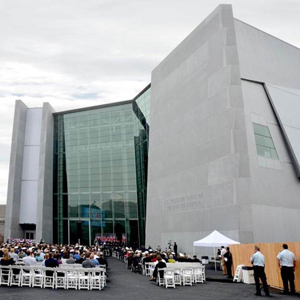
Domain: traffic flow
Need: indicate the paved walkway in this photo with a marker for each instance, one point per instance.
(123, 284)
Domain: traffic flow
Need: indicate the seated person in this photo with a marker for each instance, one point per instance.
(29, 260)
(102, 261)
(6, 260)
(51, 263)
(136, 261)
(81, 259)
(94, 260)
(71, 260)
(88, 263)
(171, 259)
(195, 259)
(159, 265)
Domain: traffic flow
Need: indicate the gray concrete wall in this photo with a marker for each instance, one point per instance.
(265, 58)
(44, 226)
(2, 222)
(275, 188)
(12, 227)
(2, 211)
(198, 162)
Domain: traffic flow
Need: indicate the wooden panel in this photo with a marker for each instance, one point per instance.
(241, 256)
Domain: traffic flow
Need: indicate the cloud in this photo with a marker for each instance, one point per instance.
(75, 53)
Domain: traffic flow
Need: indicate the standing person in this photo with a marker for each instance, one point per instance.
(175, 249)
(224, 270)
(287, 263)
(258, 261)
(228, 262)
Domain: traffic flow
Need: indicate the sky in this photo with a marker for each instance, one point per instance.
(75, 53)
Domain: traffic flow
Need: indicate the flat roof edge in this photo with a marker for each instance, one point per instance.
(92, 107)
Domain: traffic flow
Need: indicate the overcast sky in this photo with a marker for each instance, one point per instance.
(75, 53)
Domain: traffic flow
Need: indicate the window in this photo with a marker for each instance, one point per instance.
(264, 143)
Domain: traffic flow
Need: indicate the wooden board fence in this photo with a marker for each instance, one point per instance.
(241, 256)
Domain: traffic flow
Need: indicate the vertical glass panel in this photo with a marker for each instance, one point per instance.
(74, 234)
(262, 130)
(264, 143)
(107, 208)
(85, 238)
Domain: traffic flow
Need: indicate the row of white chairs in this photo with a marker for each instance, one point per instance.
(78, 266)
(184, 273)
(185, 276)
(43, 277)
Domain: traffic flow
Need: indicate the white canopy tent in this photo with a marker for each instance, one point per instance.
(215, 239)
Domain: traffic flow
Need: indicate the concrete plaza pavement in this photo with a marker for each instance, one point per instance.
(123, 284)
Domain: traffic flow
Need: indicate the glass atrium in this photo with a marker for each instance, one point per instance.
(100, 172)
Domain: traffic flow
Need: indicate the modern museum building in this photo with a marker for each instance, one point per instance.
(212, 143)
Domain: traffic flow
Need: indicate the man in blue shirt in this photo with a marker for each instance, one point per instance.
(258, 261)
(94, 260)
(76, 256)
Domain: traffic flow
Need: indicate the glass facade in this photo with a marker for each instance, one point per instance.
(100, 172)
(264, 143)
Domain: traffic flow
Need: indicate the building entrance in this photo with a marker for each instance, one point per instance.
(80, 232)
(29, 235)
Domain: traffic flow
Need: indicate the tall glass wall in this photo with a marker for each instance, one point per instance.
(100, 160)
(141, 108)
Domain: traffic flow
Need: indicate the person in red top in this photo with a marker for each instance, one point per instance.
(154, 258)
(159, 265)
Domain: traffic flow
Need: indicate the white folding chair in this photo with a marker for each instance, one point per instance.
(187, 276)
(203, 273)
(72, 278)
(95, 278)
(197, 275)
(83, 279)
(160, 277)
(169, 278)
(102, 267)
(49, 279)
(38, 276)
(5, 273)
(103, 277)
(60, 278)
(15, 275)
(147, 269)
(177, 276)
(26, 276)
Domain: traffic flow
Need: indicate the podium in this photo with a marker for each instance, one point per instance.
(238, 275)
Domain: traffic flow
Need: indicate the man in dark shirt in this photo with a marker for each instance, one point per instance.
(175, 247)
(51, 263)
(195, 259)
(228, 262)
(102, 260)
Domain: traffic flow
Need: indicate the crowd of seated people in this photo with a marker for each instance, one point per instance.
(141, 256)
(53, 255)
